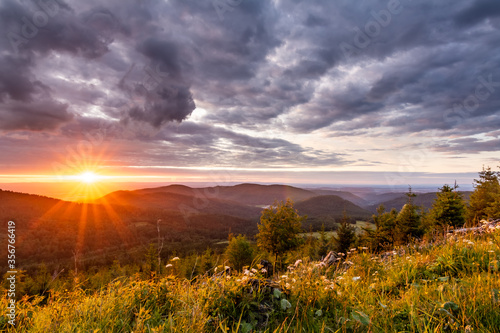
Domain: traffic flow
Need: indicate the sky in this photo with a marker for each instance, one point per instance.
(341, 92)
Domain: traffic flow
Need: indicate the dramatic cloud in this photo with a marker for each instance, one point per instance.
(258, 84)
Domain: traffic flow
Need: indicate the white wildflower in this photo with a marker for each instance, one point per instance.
(168, 265)
(298, 262)
(175, 259)
(356, 278)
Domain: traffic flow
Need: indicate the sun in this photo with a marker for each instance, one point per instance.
(88, 177)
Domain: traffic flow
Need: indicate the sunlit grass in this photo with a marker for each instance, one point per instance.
(452, 286)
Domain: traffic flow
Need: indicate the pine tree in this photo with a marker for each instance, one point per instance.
(485, 200)
(408, 221)
(448, 208)
(384, 234)
(346, 235)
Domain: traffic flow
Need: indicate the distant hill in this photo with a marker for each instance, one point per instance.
(377, 199)
(189, 201)
(343, 194)
(246, 194)
(260, 195)
(115, 227)
(398, 200)
(327, 209)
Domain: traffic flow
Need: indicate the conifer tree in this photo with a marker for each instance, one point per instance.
(485, 200)
(346, 235)
(384, 234)
(448, 208)
(408, 221)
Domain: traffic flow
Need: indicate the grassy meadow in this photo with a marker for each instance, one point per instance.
(452, 285)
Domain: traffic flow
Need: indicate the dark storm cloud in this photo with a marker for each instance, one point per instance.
(36, 116)
(48, 25)
(477, 12)
(409, 67)
(25, 102)
(16, 81)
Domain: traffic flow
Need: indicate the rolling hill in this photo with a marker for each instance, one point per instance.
(190, 202)
(330, 206)
(123, 223)
(398, 200)
(343, 194)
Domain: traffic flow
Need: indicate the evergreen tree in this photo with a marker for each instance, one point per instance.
(408, 221)
(448, 208)
(346, 235)
(279, 227)
(239, 252)
(384, 234)
(485, 200)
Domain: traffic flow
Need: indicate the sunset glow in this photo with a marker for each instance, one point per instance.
(88, 177)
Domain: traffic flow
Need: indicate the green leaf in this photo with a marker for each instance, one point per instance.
(450, 305)
(285, 304)
(276, 292)
(246, 327)
(318, 313)
(360, 317)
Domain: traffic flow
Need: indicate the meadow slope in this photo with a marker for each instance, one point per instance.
(452, 285)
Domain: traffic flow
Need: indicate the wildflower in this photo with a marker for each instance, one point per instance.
(356, 278)
(254, 270)
(263, 270)
(363, 248)
(168, 265)
(353, 250)
(287, 285)
(284, 277)
(298, 262)
(175, 259)
(348, 262)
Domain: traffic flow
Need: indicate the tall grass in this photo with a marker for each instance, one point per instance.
(451, 286)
